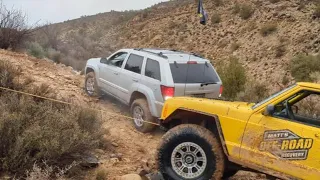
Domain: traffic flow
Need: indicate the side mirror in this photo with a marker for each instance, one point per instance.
(269, 110)
(104, 60)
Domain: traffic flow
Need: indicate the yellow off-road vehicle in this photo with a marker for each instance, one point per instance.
(212, 139)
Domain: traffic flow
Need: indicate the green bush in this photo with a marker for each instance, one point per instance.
(302, 66)
(215, 18)
(246, 11)
(33, 130)
(54, 55)
(254, 92)
(268, 29)
(233, 77)
(36, 50)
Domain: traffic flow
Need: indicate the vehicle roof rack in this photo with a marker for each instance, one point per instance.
(158, 54)
(192, 53)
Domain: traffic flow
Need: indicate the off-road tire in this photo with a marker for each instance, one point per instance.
(147, 116)
(195, 134)
(97, 92)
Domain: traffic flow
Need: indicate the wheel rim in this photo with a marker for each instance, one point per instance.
(138, 116)
(90, 85)
(188, 160)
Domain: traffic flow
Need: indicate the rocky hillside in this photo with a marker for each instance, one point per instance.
(264, 34)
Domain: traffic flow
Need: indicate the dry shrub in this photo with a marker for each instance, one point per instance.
(215, 18)
(13, 27)
(234, 46)
(46, 172)
(246, 11)
(236, 8)
(36, 50)
(315, 77)
(34, 130)
(253, 92)
(268, 29)
(102, 174)
(316, 12)
(285, 80)
(54, 55)
(274, 1)
(302, 66)
(218, 2)
(8, 73)
(280, 50)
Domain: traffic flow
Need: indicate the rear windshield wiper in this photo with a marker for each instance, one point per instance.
(207, 83)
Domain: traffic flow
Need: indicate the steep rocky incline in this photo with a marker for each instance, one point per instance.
(265, 41)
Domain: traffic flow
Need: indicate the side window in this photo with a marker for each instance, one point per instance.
(118, 59)
(302, 107)
(134, 63)
(153, 69)
(309, 107)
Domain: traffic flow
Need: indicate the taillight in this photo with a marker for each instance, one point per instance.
(167, 92)
(220, 91)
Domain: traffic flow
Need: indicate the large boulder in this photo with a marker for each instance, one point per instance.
(131, 177)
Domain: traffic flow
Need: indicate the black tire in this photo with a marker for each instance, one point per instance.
(199, 136)
(96, 92)
(147, 116)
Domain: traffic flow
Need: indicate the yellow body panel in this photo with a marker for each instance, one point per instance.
(273, 144)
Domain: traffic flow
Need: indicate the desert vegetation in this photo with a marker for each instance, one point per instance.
(14, 30)
(305, 67)
(36, 133)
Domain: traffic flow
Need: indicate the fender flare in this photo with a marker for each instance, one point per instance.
(150, 100)
(218, 126)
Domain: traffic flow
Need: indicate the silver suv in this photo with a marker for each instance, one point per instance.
(145, 78)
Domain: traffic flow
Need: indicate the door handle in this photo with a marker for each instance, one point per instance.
(317, 135)
(135, 80)
(116, 73)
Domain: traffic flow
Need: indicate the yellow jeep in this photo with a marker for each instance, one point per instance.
(212, 139)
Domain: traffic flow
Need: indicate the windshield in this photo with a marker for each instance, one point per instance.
(273, 96)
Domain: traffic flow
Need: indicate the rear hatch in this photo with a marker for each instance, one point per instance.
(196, 79)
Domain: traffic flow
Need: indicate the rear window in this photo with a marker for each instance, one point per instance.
(193, 73)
